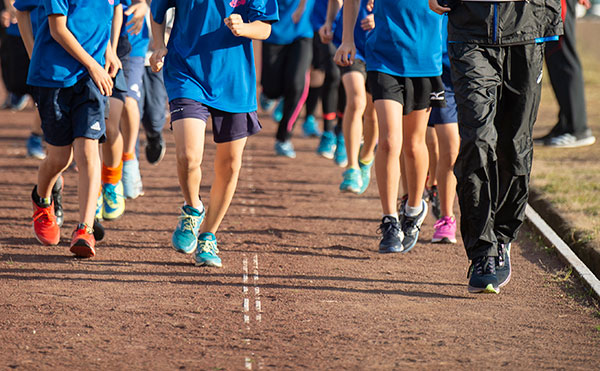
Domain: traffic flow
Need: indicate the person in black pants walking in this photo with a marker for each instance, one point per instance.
(566, 77)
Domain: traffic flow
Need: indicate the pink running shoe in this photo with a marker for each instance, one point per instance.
(445, 230)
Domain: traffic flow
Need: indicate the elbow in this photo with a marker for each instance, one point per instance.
(267, 32)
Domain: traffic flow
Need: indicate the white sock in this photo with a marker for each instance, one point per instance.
(413, 211)
(395, 216)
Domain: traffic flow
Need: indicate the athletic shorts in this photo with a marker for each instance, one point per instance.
(413, 93)
(119, 86)
(134, 70)
(153, 104)
(322, 53)
(227, 126)
(444, 115)
(358, 66)
(73, 112)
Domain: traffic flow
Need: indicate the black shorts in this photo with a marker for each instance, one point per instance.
(322, 54)
(358, 66)
(413, 93)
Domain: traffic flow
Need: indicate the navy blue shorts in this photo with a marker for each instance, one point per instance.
(134, 70)
(227, 126)
(120, 85)
(73, 112)
(444, 115)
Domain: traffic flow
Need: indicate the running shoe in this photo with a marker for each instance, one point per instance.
(444, 230)
(265, 103)
(113, 201)
(132, 180)
(98, 230)
(365, 174)
(185, 236)
(83, 243)
(340, 157)
(206, 254)
(568, 140)
(155, 149)
(503, 268)
(310, 127)
(391, 235)
(411, 226)
(99, 204)
(352, 181)
(278, 111)
(57, 192)
(327, 145)
(402, 205)
(35, 148)
(19, 102)
(482, 276)
(434, 199)
(45, 228)
(285, 149)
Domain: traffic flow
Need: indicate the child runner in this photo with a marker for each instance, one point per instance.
(209, 71)
(496, 52)
(286, 57)
(71, 67)
(359, 104)
(403, 55)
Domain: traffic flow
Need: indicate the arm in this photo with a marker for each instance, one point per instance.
(160, 50)
(297, 15)
(59, 31)
(345, 54)
(326, 30)
(257, 30)
(138, 8)
(368, 22)
(433, 5)
(26, 30)
(117, 23)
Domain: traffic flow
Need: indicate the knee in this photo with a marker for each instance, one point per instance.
(389, 145)
(188, 160)
(228, 167)
(57, 164)
(355, 105)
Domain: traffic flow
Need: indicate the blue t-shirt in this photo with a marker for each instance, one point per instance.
(90, 22)
(206, 62)
(318, 15)
(286, 31)
(360, 35)
(35, 9)
(406, 40)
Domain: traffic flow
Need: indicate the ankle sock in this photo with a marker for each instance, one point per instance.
(413, 211)
(112, 175)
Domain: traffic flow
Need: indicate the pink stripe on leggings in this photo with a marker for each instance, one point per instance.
(296, 113)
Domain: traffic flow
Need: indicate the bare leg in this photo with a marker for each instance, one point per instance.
(356, 102)
(370, 132)
(130, 124)
(189, 148)
(415, 154)
(87, 157)
(431, 140)
(51, 167)
(449, 142)
(112, 148)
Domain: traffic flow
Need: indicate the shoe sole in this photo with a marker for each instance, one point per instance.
(326, 155)
(184, 251)
(489, 289)
(577, 144)
(350, 190)
(443, 240)
(82, 250)
(208, 264)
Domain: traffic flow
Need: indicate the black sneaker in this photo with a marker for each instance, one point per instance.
(402, 204)
(434, 199)
(391, 235)
(411, 225)
(57, 197)
(503, 268)
(482, 276)
(98, 230)
(155, 149)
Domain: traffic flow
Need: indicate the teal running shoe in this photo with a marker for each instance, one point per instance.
(352, 181)
(365, 173)
(340, 157)
(327, 145)
(265, 103)
(310, 127)
(278, 111)
(113, 201)
(285, 149)
(99, 204)
(206, 254)
(185, 236)
(35, 148)
(132, 180)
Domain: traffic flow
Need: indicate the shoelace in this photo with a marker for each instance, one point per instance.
(208, 246)
(409, 222)
(112, 195)
(482, 265)
(189, 222)
(501, 255)
(389, 227)
(443, 223)
(44, 216)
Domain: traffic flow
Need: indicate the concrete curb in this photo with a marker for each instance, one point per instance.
(588, 251)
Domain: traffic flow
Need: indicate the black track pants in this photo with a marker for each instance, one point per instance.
(497, 93)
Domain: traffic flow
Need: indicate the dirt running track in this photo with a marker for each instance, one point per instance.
(302, 287)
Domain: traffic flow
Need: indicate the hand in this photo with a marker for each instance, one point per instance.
(157, 59)
(433, 5)
(297, 14)
(113, 63)
(5, 19)
(586, 3)
(136, 22)
(368, 23)
(101, 78)
(345, 54)
(326, 33)
(370, 5)
(236, 24)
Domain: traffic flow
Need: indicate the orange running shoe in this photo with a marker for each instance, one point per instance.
(83, 241)
(45, 228)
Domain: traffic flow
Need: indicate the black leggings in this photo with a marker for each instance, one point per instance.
(285, 74)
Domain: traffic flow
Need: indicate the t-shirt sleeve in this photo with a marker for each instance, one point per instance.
(25, 5)
(263, 10)
(159, 9)
(56, 7)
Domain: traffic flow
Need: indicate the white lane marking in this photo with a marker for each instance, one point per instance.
(257, 303)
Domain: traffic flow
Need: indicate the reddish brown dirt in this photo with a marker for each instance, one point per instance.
(328, 300)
